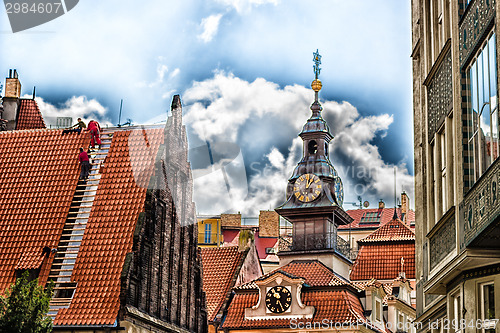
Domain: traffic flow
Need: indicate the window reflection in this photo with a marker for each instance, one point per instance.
(483, 115)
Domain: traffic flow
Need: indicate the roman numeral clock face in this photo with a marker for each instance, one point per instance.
(278, 299)
(307, 187)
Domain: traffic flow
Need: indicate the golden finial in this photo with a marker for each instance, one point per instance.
(316, 85)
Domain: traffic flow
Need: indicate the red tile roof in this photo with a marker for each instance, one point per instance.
(39, 173)
(38, 176)
(29, 115)
(333, 305)
(395, 230)
(386, 216)
(221, 267)
(314, 273)
(382, 260)
(362, 285)
(109, 233)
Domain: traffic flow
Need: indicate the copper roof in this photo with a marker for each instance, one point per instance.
(221, 266)
(29, 115)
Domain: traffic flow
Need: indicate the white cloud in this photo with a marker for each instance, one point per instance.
(245, 5)
(210, 26)
(75, 107)
(175, 72)
(223, 108)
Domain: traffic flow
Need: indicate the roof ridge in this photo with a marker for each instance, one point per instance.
(234, 277)
(378, 235)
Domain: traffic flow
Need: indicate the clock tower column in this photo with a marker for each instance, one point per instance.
(315, 195)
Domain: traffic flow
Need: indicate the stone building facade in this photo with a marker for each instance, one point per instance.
(164, 275)
(456, 132)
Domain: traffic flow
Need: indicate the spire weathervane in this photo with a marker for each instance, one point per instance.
(316, 84)
(317, 62)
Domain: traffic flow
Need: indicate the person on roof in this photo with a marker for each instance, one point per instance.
(78, 127)
(83, 157)
(3, 124)
(95, 133)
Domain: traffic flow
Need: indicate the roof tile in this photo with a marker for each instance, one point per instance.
(395, 230)
(333, 305)
(385, 216)
(220, 270)
(29, 115)
(33, 207)
(382, 261)
(313, 272)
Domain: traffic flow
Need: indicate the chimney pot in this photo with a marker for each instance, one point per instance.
(11, 101)
(381, 204)
(405, 205)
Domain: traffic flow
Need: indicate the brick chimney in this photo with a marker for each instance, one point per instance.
(11, 99)
(405, 206)
(269, 224)
(230, 220)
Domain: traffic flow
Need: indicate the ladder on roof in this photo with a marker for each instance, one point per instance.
(74, 228)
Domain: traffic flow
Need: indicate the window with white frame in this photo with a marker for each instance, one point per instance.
(442, 167)
(401, 322)
(487, 306)
(483, 109)
(456, 323)
(378, 310)
(440, 189)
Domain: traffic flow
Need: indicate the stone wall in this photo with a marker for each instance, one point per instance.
(269, 223)
(230, 220)
(161, 278)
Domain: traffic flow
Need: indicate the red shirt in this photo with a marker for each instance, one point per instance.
(83, 156)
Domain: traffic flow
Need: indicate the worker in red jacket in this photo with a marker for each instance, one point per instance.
(83, 157)
(95, 133)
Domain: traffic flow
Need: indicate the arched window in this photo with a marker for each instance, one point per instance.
(312, 147)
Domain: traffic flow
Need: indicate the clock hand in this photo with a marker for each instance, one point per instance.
(281, 306)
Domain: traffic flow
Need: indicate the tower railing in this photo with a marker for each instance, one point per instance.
(317, 241)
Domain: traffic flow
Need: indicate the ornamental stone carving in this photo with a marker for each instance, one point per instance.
(440, 95)
(473, 26)
(480, 207)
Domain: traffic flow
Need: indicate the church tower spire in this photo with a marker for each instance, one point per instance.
(314, 194)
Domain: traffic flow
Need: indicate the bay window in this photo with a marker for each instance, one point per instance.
(483, 109)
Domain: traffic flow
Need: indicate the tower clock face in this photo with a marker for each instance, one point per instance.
(307, 187)
(339, 190)
(278, 299)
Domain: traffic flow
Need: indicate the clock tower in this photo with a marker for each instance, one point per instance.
(315, 195)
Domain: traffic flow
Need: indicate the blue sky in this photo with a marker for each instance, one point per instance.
(243, 69)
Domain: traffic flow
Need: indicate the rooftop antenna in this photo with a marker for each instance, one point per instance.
(395, 202)
(129, 121)
(34, 88)
(120, 114)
